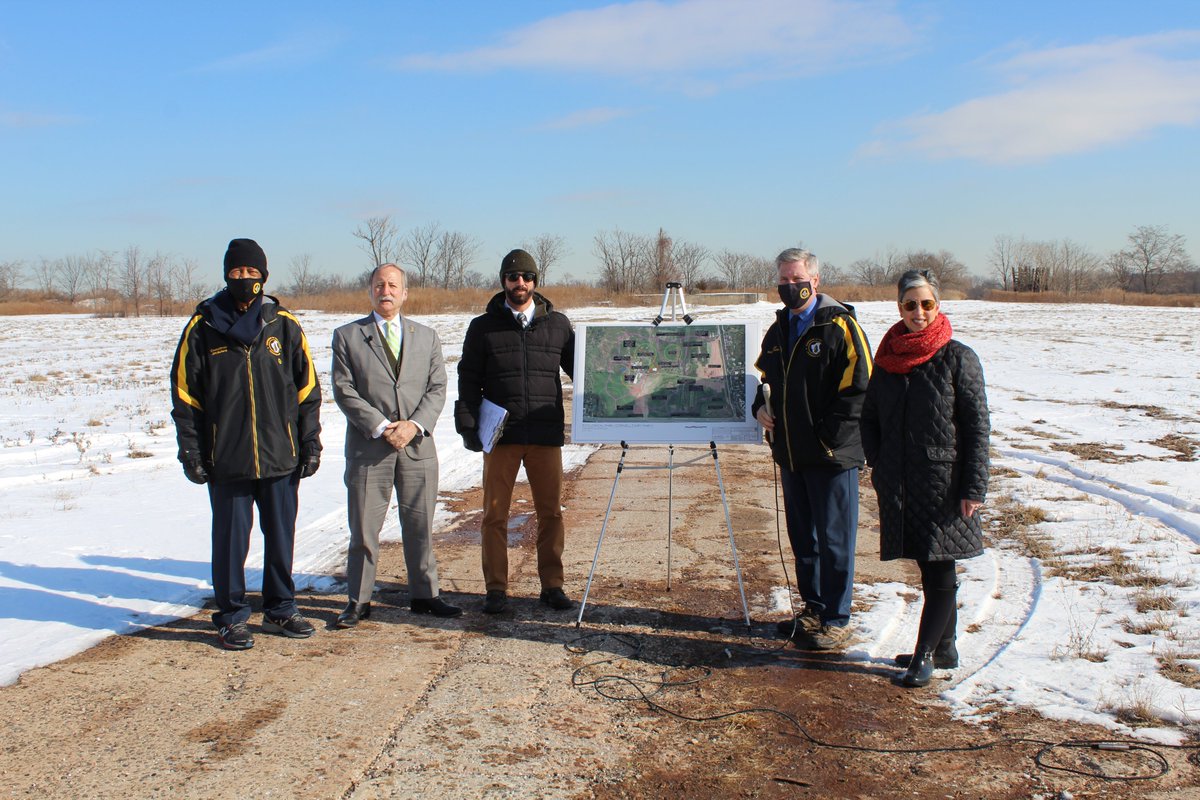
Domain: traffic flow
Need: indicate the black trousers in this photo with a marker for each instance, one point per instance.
(233, 505)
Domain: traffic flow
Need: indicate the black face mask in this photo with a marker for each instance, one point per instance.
(244, 290)
(795, 295)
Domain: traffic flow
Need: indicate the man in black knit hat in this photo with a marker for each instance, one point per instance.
(246, 405)
(512, 355)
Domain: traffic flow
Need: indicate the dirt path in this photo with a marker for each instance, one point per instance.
(527, 704)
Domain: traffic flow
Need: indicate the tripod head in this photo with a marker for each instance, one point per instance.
(673, 290)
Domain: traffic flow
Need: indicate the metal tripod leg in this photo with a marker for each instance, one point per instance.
(670, 496)
(588, 588)
(729, 525)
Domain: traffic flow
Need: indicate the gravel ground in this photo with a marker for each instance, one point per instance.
(527, 704)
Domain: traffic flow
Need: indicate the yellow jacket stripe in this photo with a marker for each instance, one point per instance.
(854, 350)
(311, 379)
(181, 381)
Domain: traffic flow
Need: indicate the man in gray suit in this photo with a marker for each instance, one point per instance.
(389, 379)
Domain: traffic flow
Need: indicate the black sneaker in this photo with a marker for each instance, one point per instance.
(293, 627)
(496, 601)
(236, 637)
(557, 599)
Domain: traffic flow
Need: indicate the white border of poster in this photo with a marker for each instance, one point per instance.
(666, 430)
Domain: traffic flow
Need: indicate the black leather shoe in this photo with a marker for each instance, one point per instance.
(352, 614)
(496, 601)
(435, 606)
(557, 599)
(920, 670)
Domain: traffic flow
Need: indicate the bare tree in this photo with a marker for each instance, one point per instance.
(71, 272)
(10, 278)
(417, 253)
(879, 270)
(131, 277)
(378, 235)
(761, 273)
(950, 272)
(101, 272)
(305, 280)
(160, 282)
(622, 260)
(455, 251)
(831, 274)
(189, 289)
(45, 275)
(547, 250)
(1152, 254)
(661, 263)
(689, 262)
(733, 268)
(1005, 258)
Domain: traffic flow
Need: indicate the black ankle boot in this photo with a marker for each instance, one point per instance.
(920, 670)
(945, 655)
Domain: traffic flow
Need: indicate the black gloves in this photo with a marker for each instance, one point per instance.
(310, 460)
(471, 441)
(194, 469)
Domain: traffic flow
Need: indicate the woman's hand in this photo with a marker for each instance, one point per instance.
(968, 507)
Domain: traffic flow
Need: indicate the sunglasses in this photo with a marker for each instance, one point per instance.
(911, 305)
(528, 277)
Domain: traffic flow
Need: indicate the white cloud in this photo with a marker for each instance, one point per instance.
(28, 119)
(295, 50)
(1063, 101)
(725, 41)
(585, 118)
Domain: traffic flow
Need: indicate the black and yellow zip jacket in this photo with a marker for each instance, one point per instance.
(818, 386)
(246, 410)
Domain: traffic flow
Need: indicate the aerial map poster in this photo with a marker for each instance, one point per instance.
(671, 384)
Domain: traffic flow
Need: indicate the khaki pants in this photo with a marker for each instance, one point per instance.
(543, 467)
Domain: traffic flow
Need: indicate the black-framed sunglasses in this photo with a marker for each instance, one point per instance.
(528, 277)
(911, 305)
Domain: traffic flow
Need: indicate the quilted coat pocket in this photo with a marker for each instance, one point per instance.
(940, 453)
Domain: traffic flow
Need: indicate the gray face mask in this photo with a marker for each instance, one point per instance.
(795, 295)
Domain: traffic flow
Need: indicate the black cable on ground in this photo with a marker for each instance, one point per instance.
(635, 689)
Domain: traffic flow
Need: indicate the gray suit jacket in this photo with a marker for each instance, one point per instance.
(368, 391)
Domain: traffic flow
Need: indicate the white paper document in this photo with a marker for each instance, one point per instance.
(491, 423)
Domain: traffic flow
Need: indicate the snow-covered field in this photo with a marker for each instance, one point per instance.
(1093, 409)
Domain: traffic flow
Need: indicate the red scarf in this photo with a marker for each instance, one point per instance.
(902, 350)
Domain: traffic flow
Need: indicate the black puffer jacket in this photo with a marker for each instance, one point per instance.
(925, 435)
(817, 388)
(516, 368)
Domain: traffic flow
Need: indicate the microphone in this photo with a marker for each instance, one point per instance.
(770, 411)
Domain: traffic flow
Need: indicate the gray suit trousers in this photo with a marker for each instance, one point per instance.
(370, 485)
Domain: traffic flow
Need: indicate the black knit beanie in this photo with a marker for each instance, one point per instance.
(518, 261)
(246, 253)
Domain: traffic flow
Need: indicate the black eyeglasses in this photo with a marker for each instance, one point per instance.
(927, 304)
(528, 277)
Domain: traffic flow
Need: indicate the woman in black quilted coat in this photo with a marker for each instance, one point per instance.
(925, 433)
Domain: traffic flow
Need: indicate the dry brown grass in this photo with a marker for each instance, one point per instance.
(1013, 521)
(1094, 451)
(1111, 296)
(1110, 565)
(1185, 447)
(1172, 666)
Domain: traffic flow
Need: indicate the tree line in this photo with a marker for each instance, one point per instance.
(136, 282)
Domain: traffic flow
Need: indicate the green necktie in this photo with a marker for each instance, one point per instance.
(392, 334)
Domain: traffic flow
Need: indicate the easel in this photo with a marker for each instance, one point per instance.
(673, 292)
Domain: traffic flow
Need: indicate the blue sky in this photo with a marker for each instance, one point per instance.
(752, 125)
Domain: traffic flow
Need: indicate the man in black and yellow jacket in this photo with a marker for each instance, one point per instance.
(816, 361)
(246, 405)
